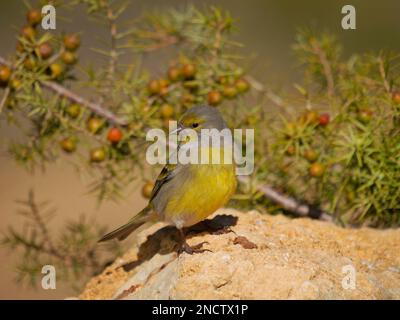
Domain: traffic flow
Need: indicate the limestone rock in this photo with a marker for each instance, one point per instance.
(264, 257)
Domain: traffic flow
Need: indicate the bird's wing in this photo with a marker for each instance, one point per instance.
(166, 174)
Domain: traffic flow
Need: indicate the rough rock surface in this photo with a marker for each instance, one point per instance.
(265, 257)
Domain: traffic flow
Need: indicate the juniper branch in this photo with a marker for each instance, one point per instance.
(70, 95)
(290, 204)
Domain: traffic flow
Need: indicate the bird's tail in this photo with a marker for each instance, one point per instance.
(124, 231)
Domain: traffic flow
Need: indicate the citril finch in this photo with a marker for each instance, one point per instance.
(185, 194)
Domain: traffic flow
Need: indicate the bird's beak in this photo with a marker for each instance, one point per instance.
(177, 130)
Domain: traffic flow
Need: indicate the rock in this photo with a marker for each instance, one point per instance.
(262, 257)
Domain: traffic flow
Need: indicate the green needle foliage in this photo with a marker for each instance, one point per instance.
(334, 143)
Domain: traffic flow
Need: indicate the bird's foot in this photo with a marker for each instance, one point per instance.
(193, 249)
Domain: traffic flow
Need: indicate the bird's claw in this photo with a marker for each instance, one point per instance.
(194, 249)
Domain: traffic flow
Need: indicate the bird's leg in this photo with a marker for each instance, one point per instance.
(191, 249)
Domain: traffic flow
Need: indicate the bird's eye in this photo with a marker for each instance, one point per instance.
(195, 125)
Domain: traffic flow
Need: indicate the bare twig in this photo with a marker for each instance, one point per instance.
(4, 99)
(166, 42)
(42, 226)
(326, 67)
(95, 107)
(383, 74)
(113, 53)
(268, 92)
(288, 203)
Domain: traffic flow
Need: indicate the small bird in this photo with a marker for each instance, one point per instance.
(185, 194)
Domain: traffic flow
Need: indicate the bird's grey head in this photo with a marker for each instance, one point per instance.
(202, 117)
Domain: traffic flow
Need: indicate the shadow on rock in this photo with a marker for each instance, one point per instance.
(167, 240)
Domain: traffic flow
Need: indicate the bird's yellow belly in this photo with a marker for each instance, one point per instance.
(210, 188)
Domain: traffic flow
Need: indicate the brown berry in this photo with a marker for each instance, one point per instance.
(174, 74)
(187, 99)
(45, 50)
(15, 83)
(291, 150)
(229, 92)
(311, 155)
(154, 86)
(242, 85)
(164, 91)
(291, 129)
(163, 83)
(114, 135)
(30, 63)
(20, 47)
(365, 115)
(68, 144)
(34, 17)
(167, 111)
(28, 32)
(94, 125)
(73, 110)
(324, 119)
(223, 80)
(214, 98)
(396, 97)
(56, 70)
(317, 169)
(97, 155)
(72, 42)
(189, 71)
(147, 189)
(69, 57)
(309, 117)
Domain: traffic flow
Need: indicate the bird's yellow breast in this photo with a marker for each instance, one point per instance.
(210, 186)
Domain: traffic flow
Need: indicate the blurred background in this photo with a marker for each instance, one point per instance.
(265, 27)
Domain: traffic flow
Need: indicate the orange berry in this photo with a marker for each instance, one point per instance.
(174, 74)
(114, 135)
(317, 169)
(214, 98)
(5, 74)
(324, 119)
(189, 71)
(167, 111)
